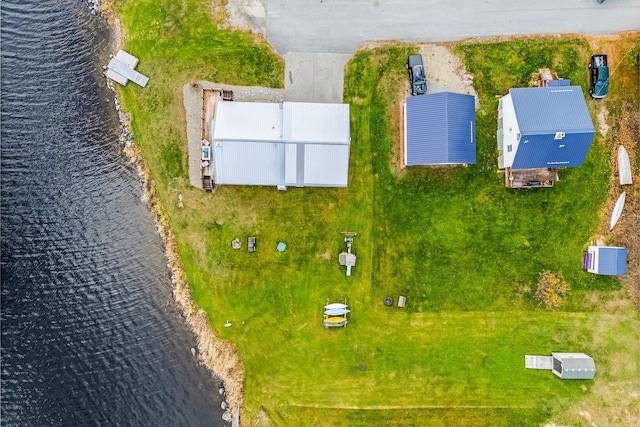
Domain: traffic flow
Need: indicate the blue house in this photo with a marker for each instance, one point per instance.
(548, 127)
(606, 260)
(440, 129)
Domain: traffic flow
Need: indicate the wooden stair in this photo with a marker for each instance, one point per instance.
(207, 184)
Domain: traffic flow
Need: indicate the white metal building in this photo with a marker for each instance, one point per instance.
(573, 366)
(281, 144)
(568, 366)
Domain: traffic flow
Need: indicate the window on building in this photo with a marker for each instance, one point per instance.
(557, 365)
(509, 148)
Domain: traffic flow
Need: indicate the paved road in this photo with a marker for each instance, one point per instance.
(339, 26)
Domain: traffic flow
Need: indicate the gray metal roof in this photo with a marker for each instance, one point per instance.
(296, 144)
(247, 121)
(308, 122)
(573, 365)
(248, 163)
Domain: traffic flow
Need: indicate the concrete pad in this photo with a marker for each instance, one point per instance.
(192, 98)
(314, 77)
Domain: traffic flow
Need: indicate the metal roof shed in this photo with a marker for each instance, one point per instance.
(573, 366)
(607, 260)
(440, 129)
(291, 143)
(547, 127)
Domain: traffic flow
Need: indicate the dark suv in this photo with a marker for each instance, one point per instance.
(416, 75)
(599, 76)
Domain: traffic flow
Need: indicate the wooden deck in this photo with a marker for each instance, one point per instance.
(530, 178)
(210, 98)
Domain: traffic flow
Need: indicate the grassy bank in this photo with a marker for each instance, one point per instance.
(464, 250)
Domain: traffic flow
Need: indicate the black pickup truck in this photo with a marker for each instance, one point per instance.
(416, 75)
(599, 76)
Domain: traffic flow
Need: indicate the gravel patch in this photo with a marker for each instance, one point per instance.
(248, 15)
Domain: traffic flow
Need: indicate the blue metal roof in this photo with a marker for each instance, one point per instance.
(441, 129)
(612, 261)
(555, 127)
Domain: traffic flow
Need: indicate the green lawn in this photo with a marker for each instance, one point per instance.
(465, 250)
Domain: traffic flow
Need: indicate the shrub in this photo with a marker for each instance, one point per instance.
(552, 289)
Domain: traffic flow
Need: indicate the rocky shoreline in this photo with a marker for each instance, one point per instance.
(218, 356)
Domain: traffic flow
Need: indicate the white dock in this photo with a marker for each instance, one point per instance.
(538, 362)
(121, 69)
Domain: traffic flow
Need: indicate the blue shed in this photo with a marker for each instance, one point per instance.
(440, 129)
(547, 127)
(606, 260)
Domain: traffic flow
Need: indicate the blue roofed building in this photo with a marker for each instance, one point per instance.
(541, 130)
(605, 260)
(440, 129)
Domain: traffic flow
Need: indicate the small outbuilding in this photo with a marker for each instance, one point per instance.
(573, 366)
(605, 260)
(347, 259)
(440, 129)
(568, 366)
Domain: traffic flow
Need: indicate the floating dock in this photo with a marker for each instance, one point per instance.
(121, 69)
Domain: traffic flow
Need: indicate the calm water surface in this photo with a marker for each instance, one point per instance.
(90, 333)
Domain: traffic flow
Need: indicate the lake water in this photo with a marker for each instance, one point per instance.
(90, 332)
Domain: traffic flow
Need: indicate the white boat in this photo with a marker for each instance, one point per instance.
(617, 210)
(624, 166)
(337, 311)
(335, 306)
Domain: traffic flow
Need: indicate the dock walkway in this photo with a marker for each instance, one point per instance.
(121, 69)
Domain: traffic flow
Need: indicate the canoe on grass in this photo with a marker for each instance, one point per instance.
(335, 305)
(617, 210)
(332, 322)
(624, 167)
(337, 311)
